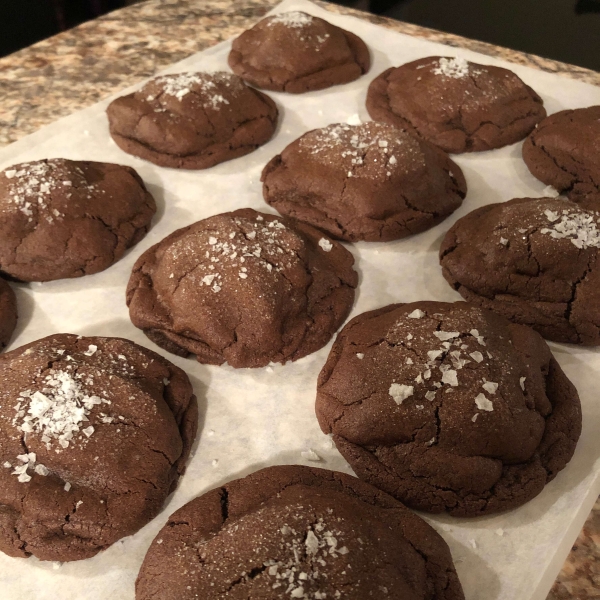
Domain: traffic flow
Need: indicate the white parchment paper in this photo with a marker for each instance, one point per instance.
(254, 418)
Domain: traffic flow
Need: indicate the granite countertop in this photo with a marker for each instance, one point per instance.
(84, 65)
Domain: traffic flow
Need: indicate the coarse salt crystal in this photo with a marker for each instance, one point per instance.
(490, 387)
(455, 68)
(550, 192)
(293, 19)
(400, 392)
(416, 314)
(476, 356)
(433, 354)
(311, 455)
(325, 244)
(446, 335)
(483, 403)
(450, 377)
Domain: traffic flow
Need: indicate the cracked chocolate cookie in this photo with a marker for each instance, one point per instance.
(297, 532)
(242, 287)
(192, 120)
(532, 261)
(448, 407)
(61, 218)
(564, 152)
(8, 313)
(458, 105)
(94, 435)
(296, 52)
(371, 182)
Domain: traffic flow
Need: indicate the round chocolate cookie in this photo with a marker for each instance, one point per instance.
(61, 218)
(297, 532)
(458, 105)
(242, 287)
(94, 435)
(369, 182)
(8, 313)
(296, 52)
(192, 120)
(448, 407)
(564, 152)
(533, 261)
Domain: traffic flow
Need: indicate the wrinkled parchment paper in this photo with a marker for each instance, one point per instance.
(254, 418)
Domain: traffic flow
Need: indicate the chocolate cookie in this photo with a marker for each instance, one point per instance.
(533, 261)
(61, 218)
(8, 313)
(369, 182)
(297, 532)
(458, 105)
(448, 407)
(94, 434)
(296, 52)
(242, 287)
(564, 152)
(192, 120)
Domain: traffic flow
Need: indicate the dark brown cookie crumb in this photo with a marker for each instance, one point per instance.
(563, 152)
(94, 434)
(296, 52)
(448, 407)
(534, 262)
(192, 120)
(61, 218)
(8, 313)
(297, 532)
(458, 105)
(371, 182)
(242, 287)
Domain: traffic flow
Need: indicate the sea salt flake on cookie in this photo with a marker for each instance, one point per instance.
(483, 403)
(400, 392)
(490, 387)
(325, 244)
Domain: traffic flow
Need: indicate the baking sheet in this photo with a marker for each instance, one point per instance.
(253, 418)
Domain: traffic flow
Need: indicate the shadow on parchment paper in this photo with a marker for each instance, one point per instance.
(158, 193)
(473, 572)
(352, 248)
(379, 63)
(25, 309)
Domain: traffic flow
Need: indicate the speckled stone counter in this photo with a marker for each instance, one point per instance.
(80, 67)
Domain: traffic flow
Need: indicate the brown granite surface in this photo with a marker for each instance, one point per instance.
(75, 69)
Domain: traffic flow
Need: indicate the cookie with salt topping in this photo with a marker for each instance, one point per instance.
(8, 313)
(448, 407)
(563, 151)
(192, 120)
(533, 261)
(371, 182)
(458, 105)
(242, 287)
(297, 532)
(94, 435)
(61, 218)
(296, 52)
